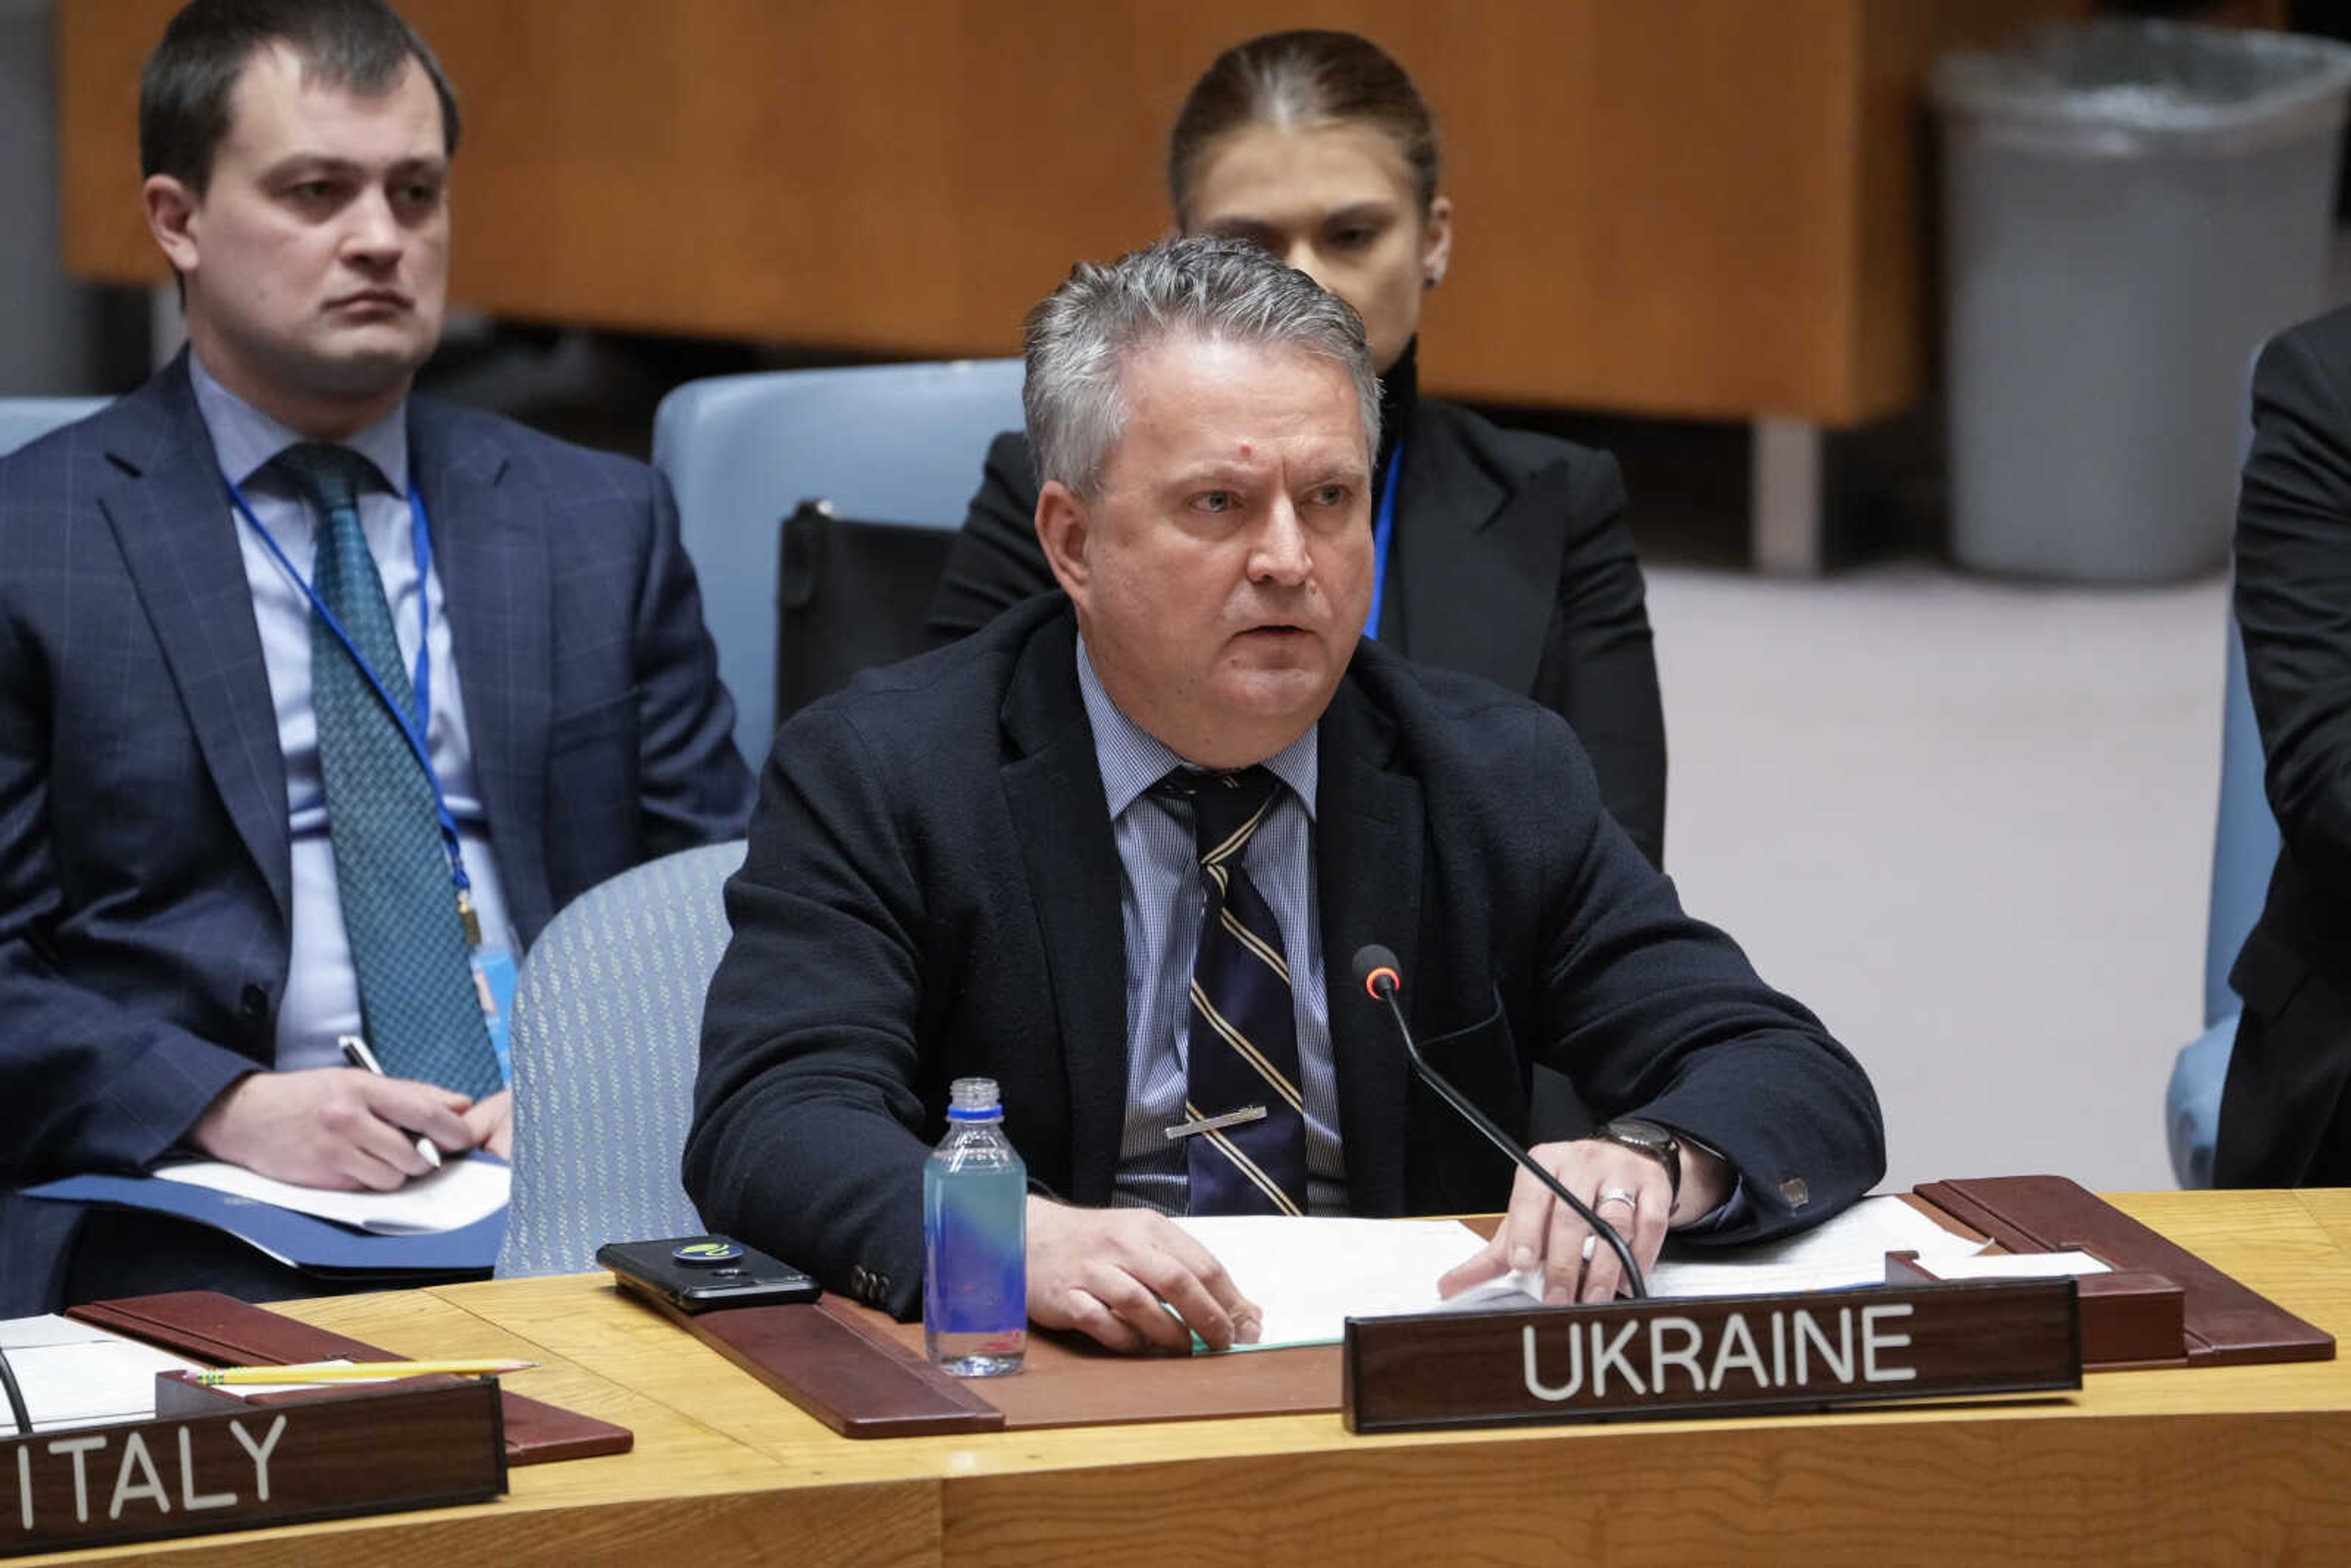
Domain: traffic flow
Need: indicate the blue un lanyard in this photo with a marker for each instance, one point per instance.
(1384, 531)
(413, 729)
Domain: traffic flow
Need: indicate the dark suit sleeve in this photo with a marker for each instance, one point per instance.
(1659, 1015)
(85, 1083)
(692, 782)
(2293, 596)
(808, 1039)
(1599, 670)
(994, 562)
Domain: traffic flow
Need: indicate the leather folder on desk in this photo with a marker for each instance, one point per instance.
(864, 1374)
(2222, 1322)
(209, 1326)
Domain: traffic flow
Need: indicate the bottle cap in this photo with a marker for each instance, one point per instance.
(973, 1100)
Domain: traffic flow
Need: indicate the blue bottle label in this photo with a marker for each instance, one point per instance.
(976, 1276)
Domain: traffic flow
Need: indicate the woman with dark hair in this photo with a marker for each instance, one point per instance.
(1499, 552)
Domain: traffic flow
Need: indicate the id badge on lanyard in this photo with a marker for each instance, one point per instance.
(494, 984)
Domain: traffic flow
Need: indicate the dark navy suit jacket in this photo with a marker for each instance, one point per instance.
(144, 870)
(933, 892)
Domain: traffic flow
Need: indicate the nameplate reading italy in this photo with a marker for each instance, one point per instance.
(369, 1451)
(1723, 1356)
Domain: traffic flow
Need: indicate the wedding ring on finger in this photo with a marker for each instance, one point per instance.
(1617, 1194)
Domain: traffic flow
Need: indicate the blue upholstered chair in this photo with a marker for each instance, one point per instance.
(2244, 848)
(25, 418)
(900, 444)
(607, 1033)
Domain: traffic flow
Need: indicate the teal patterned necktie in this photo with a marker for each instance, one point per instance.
(417, 997)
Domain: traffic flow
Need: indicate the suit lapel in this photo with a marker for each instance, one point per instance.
(1061, 818)
(164, 497)
(1480, 560)
(1367, 856)
(490, 552)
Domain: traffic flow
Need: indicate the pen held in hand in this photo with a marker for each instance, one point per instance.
(355, 1052)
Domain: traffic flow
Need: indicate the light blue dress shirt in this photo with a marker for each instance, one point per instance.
(322, 998)
(1161, 899)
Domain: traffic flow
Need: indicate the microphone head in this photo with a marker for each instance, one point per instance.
(1375, 971)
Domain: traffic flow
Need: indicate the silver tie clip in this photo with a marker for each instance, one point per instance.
(1210, 1124)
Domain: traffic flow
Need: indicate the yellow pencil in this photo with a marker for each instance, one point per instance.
(356, 1371)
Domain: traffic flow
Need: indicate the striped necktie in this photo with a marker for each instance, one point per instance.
(417, 996)
(1242, 1045)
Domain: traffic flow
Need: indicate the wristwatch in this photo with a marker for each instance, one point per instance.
(1649, 1138)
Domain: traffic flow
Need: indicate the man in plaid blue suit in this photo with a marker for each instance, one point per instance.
(175, 967)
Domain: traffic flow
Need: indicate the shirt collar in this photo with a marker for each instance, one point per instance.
(245, 439)
(1133, 759)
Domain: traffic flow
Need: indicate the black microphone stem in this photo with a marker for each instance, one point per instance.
(1638, 1286)
(23, 1417)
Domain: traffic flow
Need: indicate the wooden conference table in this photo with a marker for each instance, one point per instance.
(2212, 1465)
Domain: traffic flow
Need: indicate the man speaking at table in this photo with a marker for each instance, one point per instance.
(313, 696)
(1116, 852)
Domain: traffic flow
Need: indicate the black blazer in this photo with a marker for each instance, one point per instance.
(144, 870)
(933, 891)
(1510, 559)
(2284, 1121)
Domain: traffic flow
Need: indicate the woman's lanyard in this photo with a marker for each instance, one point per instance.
(412, 729)
(1382, 531)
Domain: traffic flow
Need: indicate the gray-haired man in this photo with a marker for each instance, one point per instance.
(1114, 855)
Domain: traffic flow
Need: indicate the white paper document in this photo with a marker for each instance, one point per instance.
(2020, 1266)
(460, 1193)
(1846, 1252)
(73, 1374)
(1311, 1275)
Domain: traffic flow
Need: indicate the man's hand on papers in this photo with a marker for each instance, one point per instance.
(335, 1128)
(1113, 1273)
(492, 1124)
(1540, 1231)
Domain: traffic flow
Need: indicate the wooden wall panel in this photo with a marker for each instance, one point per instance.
(1709, 207)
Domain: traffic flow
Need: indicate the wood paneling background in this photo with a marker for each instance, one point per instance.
(1705, 207)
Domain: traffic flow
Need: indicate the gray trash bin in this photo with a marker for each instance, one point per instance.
(2129, 208)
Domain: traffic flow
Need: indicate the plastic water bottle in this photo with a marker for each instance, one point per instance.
(975, 1240)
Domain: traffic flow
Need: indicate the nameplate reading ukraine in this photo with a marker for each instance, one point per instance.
(266, 1464)
(1726, 1356)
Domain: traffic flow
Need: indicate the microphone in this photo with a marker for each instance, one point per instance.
(1375, 971)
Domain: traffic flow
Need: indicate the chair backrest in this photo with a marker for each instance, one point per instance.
(607, 1034)
(2244, 840)
(900, 444)
(2245, 836)
(23, 420)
